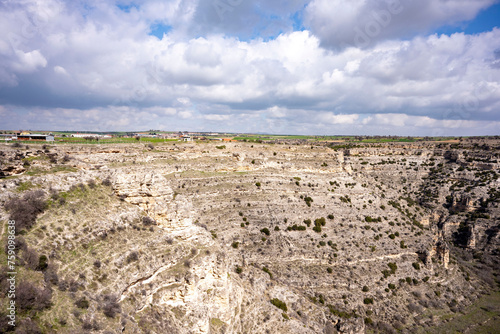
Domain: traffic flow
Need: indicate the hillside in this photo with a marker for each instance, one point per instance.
(254, 238)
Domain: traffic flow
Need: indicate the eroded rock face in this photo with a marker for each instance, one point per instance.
(349, 240)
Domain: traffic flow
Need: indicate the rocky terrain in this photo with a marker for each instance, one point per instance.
(253, 238)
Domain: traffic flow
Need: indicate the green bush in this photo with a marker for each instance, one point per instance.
(368, 301)
(267, 271)
(365, 289)
(266, 231)
(235, 244)
(416, 265)
(279, 304)
(318, 223)
(43, 262)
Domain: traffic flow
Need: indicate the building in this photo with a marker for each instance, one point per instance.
(35, 137)
(8, 137)
(83, 135)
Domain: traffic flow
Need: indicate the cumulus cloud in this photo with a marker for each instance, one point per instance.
(97, 66)
(363, 23)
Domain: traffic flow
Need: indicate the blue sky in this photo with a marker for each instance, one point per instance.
(486, 20)
(382, 67)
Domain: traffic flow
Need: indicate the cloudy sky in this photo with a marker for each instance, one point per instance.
(374, 67)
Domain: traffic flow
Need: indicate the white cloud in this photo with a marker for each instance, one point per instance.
(60, 70)
(27, 62)
(331, 118)
(106, 65)
(214, 117)
(361, 23)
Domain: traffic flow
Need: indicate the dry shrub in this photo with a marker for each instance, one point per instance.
(134, 256)
(147, 221)
(25, 210)
(110, 306)
(28, 326)
(50, 275)
(31, 258)
(29, 297)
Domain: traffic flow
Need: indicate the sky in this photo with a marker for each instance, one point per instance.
(316, 67)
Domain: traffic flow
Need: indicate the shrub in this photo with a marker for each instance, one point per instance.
(92, 325)
(393, 267)
(365, 289)
(321, 221)
(110, 307)
(26, 209)
(134, 256)
(416, 265)
(318, 223)
(82, 303)
(43, 262)
(329, 270)
(91, 184)
(368, 301)
(235, 244)
(147, 221)
(31, 257)
(50, 275)
(308, 200)
(106, 182)
(97, 264)
(279, 304)
(258, 184)
(266, 231)
(29, 297)
(266, 270)
(239, 270)
(28, 326)
(391, 286)
(330, 216)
